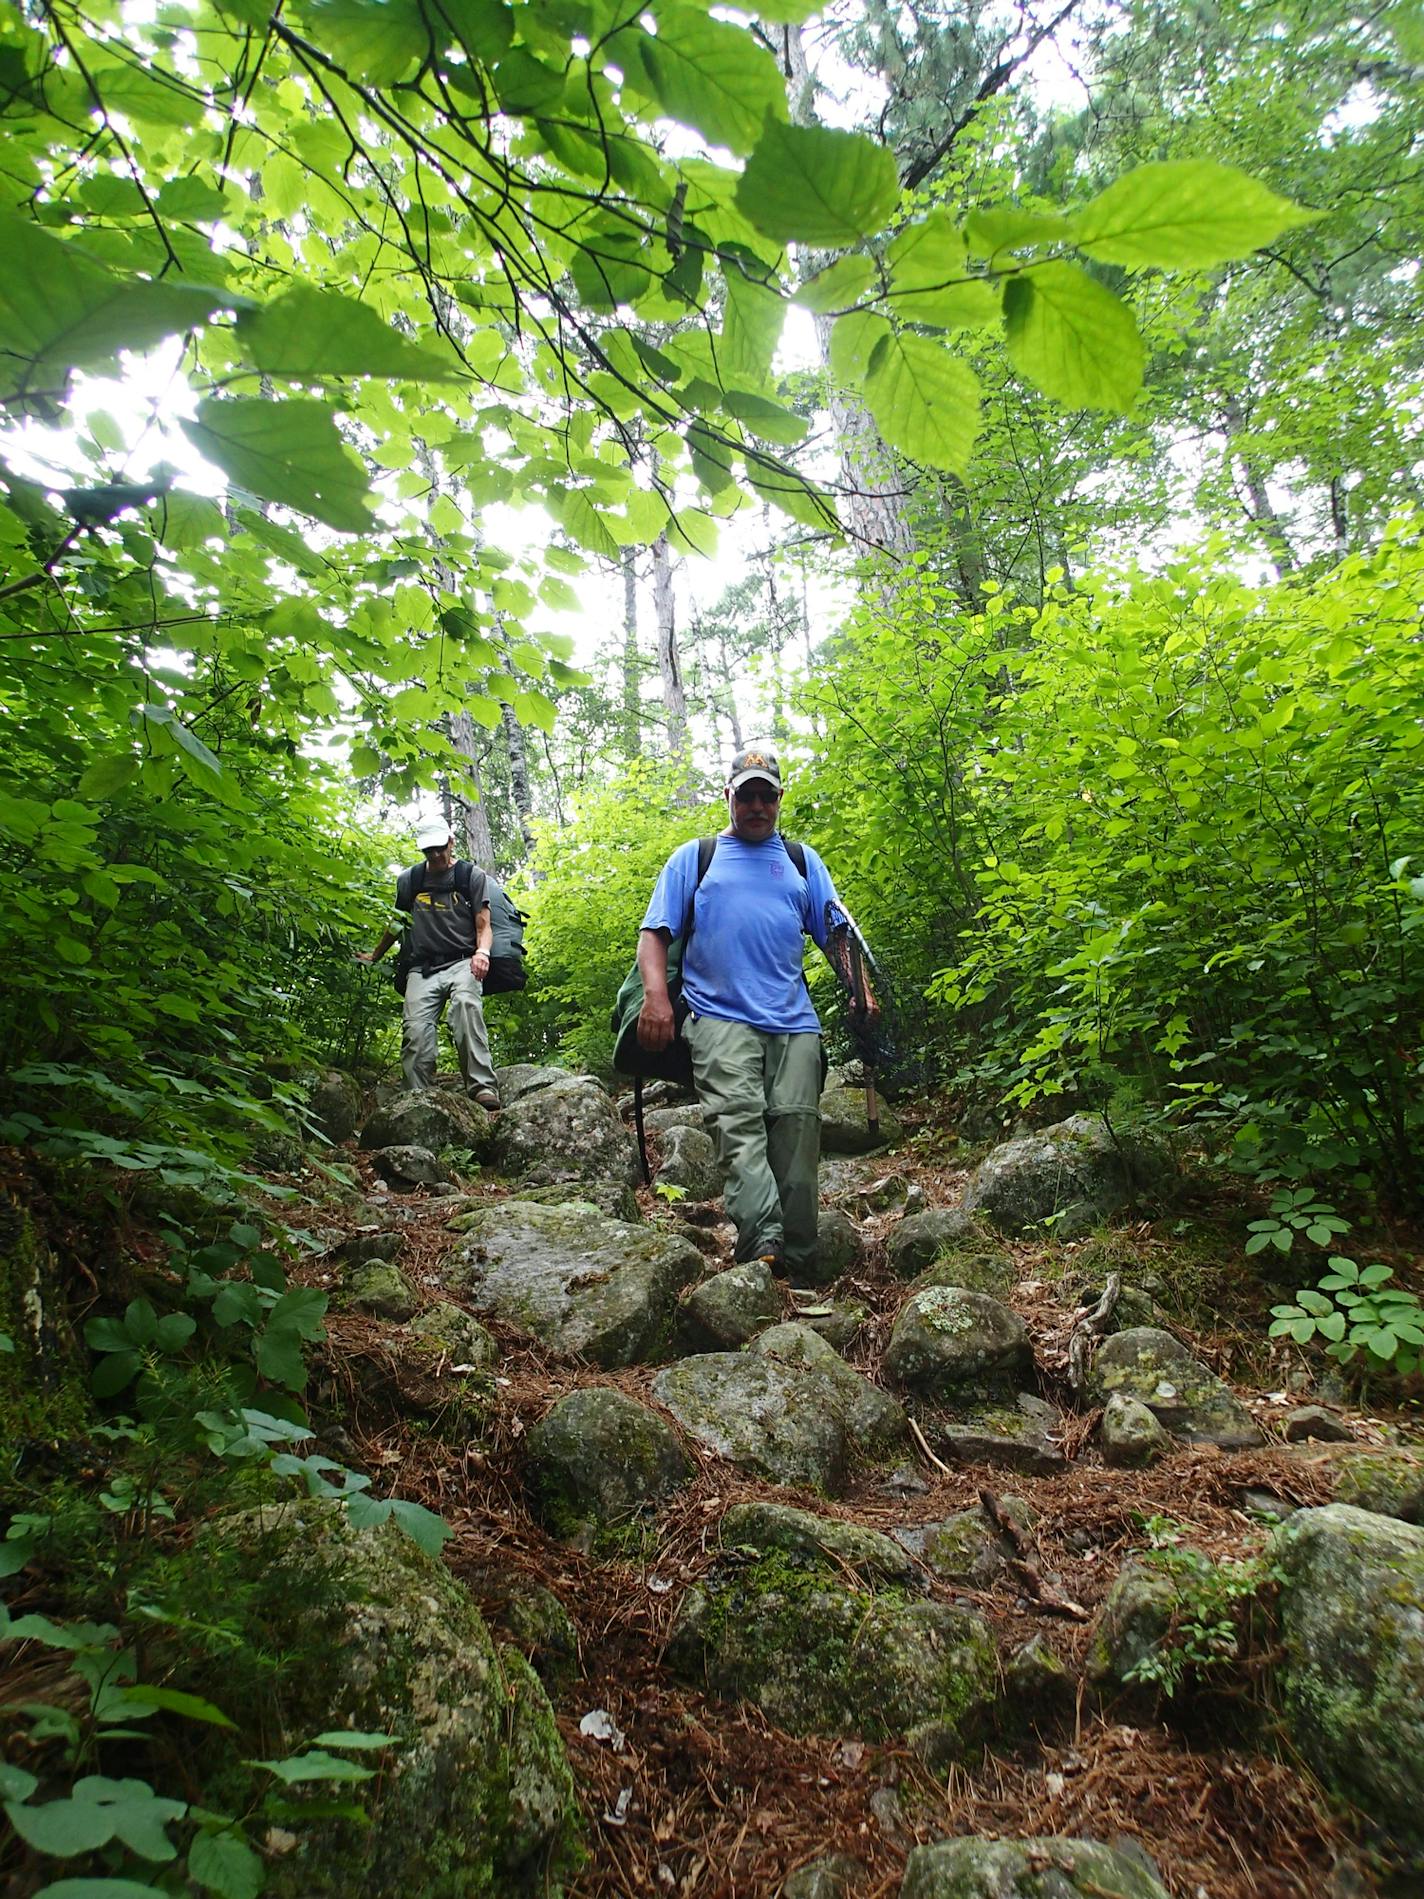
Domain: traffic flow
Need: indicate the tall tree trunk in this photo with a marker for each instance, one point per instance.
(468, 818)
(632, 666)
(518, 773)
(669, 667)
(1259, 508)
(968, 543)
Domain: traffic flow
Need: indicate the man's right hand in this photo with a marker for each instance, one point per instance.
(363, 956)
(657, 1025)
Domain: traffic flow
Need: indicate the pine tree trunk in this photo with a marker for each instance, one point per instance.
(669, 667)
(632, 669)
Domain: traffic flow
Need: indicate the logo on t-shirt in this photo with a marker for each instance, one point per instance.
(778, 870)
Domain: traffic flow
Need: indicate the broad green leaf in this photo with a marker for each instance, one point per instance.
(61, 1827)
(524, 84)
(305, 334)
(770, 420)
(854, 341)
(785, 489)
(378, 41)
(609, 269)
(139, 93)
(1183, 213)
(986, 233)
(709, 75)
(16, 1783)
(60, 311)
(108, 775)
(289, 452)
(751, 325)
(843, 283)
(930, 280)
(99, 1889)
(817, 186)
(316, 1764)
(182, 521)
(224, 1863)
(925, 402)
(355, 1737)
(1072, 338)
(427, 1531)
(691, 531)
(582, 520)
(174, 1700)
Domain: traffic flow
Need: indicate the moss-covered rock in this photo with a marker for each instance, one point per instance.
(836, 1321)
(518, 1079)
(380, 1289)
(1018, 1433)
(820, 1656)
(334, 1103)
(1352, 1620)
(963, 1548)
(690, 1162)
(1029, 1869)
(434, 1118)
(830, 1878)
(729, 1308)
(777, 1526)
(476, 1797)
(567, 1134)
(405, 1168)
(450, 1332)
(1130, 1436)
(762, 1415)
(845, 1124)
(599, 1457)
(1078, 1171)
(948, 1340)
(1040, 1689)
(952, 1241)
(532, 1618)
(1132, 1625)
(1182, 1393)
(1390, 1482)
(576, 1278)
(873, 1420)
(839, 1246)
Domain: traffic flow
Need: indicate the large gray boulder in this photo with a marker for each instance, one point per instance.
(527, 1078)
(569, 1134)
(1076, 1169)
(1030, 1869)
(433, 1118)
(599, 1457)
(334, 1104)
(690, 1162)
(761, 1415)
(845, 1124)
(1389, 1481)
(729, 1308)
(948, 1340)
(798, 1634)
(1185, 1396)
(688, 1115)
(476, 1794)
(873, 1420)
(1352, 1620)
(576, 1278)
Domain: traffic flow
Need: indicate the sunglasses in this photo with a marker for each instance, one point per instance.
(755, 794)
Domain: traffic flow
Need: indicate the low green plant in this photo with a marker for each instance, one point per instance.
(1295, 1210)
(1211, 1624)
(1363, 1319)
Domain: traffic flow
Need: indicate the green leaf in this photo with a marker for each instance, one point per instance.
(314, 1765)
(930, 280)
(709, 75)
(290, 452)
(224, 1863)
(986, 233)
(378, 41)
(1183, 213)
(854, 341)
(99, 1889)
(427, 1531)
(840, 284)
(751, 324)
(925, 402)
(811, 185)
(175, 1701)
(354, 1737)
(306, 334)
(108, 775)
(61, 1827)
(1072, 338)
(60, 311)
(15, 1782)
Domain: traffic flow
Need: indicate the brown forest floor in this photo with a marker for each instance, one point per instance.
(706, 1798)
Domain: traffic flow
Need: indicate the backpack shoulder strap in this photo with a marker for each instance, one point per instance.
(465, 880)
(706, 851)
(797, 854)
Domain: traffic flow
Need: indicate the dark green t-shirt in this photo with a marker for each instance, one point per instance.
(442, 923)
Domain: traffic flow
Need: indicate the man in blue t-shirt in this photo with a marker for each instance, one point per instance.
(754, 1037)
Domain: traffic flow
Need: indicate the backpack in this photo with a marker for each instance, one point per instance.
(673, 1063)
(507, 952)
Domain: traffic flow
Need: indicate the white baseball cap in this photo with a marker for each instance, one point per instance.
(433, 835)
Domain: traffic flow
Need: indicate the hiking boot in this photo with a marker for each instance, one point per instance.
(487, 1098)
(775, 1264)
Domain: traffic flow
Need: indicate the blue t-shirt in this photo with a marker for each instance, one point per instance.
(743, 963)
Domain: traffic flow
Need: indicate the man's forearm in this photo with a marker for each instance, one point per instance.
(484, 934)
(387, 938)
(652, 964)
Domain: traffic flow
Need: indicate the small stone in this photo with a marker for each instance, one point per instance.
(405, 1168)
(776, 1526)
(947, 1339)
(829, 1878)
(768, 1418)
(1314, 1421)
(381, 1289)
(1389, 1481)
(334, 1104)
(361, 1248)
(430, 1118)
(1129, 1434)
(963, 1548)
(1132, 1624)
(921, 1240)
(838, 1247)
(845, 1125)
(527, 1078)
(1012, 1436)
(1186, 1397)
(690, 1162)
(836, 1324)
(690, 1115)
(1040, 1688)
(970, 1868)
(459, 1338)
(1266, 1505)
(730, 1308)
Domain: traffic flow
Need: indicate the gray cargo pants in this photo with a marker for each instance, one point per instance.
(426, 999)
(760, 1097)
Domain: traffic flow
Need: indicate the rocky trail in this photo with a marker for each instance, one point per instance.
(873, 1587)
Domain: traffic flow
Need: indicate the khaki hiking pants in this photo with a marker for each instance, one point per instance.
(426, 1000)
(760, 1096)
